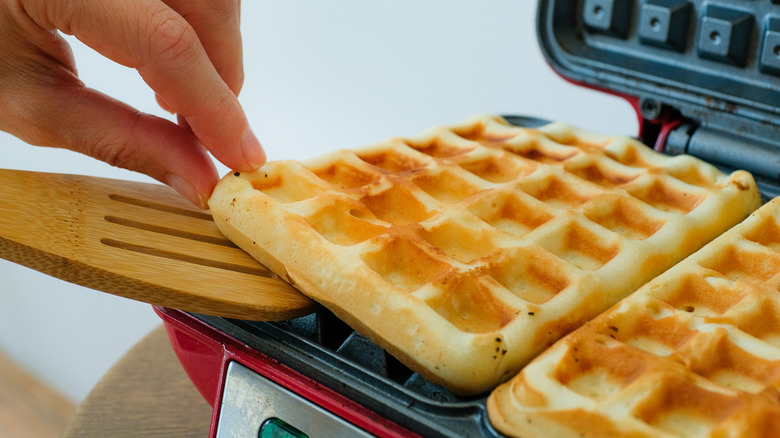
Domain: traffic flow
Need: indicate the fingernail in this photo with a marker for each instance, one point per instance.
(163, 104)
(253, 151)
(186, 190)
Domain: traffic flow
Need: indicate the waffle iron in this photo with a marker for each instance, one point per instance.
(704, 79)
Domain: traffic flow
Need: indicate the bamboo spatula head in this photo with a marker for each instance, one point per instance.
(137, 240)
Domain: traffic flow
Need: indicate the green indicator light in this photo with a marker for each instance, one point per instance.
(276, 428)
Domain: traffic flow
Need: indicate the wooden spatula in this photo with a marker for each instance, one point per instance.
(136, 240)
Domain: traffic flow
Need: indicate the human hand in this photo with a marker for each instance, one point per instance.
(188, 51)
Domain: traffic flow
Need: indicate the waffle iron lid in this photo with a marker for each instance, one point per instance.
(711, 64)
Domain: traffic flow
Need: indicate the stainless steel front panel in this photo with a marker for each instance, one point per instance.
(249, 399)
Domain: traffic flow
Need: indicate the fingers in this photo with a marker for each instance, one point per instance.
(121, 136)
(218, 26)
(44, 103)
(166, 50)
(91, 123)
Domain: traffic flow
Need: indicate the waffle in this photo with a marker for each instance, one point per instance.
(467, 250)
(695, 352)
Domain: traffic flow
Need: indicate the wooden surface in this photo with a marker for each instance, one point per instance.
(29, 408)
(139, 241)
(146, 394)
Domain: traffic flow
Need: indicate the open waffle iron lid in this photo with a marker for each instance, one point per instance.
(703, 75)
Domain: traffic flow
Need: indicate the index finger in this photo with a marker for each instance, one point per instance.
(218, 25)
(165, 49)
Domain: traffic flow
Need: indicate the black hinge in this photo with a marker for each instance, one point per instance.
(729, 151)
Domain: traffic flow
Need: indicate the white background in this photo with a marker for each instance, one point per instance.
(319, 76)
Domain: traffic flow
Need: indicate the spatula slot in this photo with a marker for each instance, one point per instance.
(260, 270)
(170, 231)
(159, 207)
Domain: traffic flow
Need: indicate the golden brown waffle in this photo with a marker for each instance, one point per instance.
(695, 352)
(469, 249)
